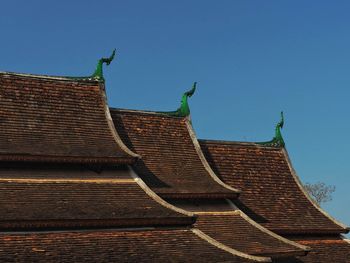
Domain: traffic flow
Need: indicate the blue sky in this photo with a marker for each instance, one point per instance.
(251, 60)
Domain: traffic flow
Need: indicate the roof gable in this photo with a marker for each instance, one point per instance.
(172, 163)
(57, 119)
(271, 192)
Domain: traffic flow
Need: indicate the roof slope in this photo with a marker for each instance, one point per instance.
(115, 246)
(56, 119)
(325, 250)
(172, 163)
(55, 202)
(271, 192)
(236, 230)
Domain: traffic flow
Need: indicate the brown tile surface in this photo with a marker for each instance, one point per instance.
(50, 119)
(236, 232)
(170, 164)
(270, 195)
(91, 202)
(323, 251)
(111, 246)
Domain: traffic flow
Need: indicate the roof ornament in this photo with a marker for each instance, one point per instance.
(184, 109)
(98, 74)
(277, 141)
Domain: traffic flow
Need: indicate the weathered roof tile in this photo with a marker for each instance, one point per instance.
(53, 119)
(271, 193)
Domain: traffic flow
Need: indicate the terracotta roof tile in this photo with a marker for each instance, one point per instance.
(112, 246)
(324, 250)
(171, 162)
(31, 203)
(235, 230)
(52, 119)
(270, 192)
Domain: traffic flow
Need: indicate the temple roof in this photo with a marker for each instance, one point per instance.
(236, 230)
(271, 192)
(167, 245)
(29, 200)
(324, 249)
(172, 163)
(57, 119)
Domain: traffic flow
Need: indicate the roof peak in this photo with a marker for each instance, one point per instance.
(184, 109)
(277, 140)
(97, 76)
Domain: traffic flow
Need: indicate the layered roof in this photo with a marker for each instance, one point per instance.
(173, 245)
(325, 249)
(236, 230)
(271, 192)
(172, 163)
(57, 119)
(108, 199)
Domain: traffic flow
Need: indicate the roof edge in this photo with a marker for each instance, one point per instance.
(111, 126)
(156, 197)
(298, 182)
(228, 249)
(251, 144)
(204, 160)
(66, 159)
(306, 249)
(50, 77)
(146, 112)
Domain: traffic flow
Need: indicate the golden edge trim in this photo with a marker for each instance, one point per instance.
(228, 249)
(156, 197)
(57, 180)
(297, 180)
(203, 159)
(256, 225)
(265, 230)
(236, 212)
(111, 124)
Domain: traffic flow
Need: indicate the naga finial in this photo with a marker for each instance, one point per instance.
(98, 74)
(277, 141)
(184, 109)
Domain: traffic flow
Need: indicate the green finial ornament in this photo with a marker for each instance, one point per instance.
(184, 109)
(277, 141)
(98, 74)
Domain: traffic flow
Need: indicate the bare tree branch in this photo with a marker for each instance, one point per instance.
(320, 192)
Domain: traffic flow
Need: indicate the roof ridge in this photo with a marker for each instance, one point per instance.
(150, 112)
(41, 76)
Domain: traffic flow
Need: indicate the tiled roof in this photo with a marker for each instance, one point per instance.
(236, 230)
(57, 119)
(172, 163)
(116, 246)
(271, 193)
(324, 250)
(32, 203)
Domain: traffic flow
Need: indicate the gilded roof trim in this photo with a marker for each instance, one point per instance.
(228, 249)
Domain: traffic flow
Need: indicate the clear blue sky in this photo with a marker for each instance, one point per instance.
(251, 59)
